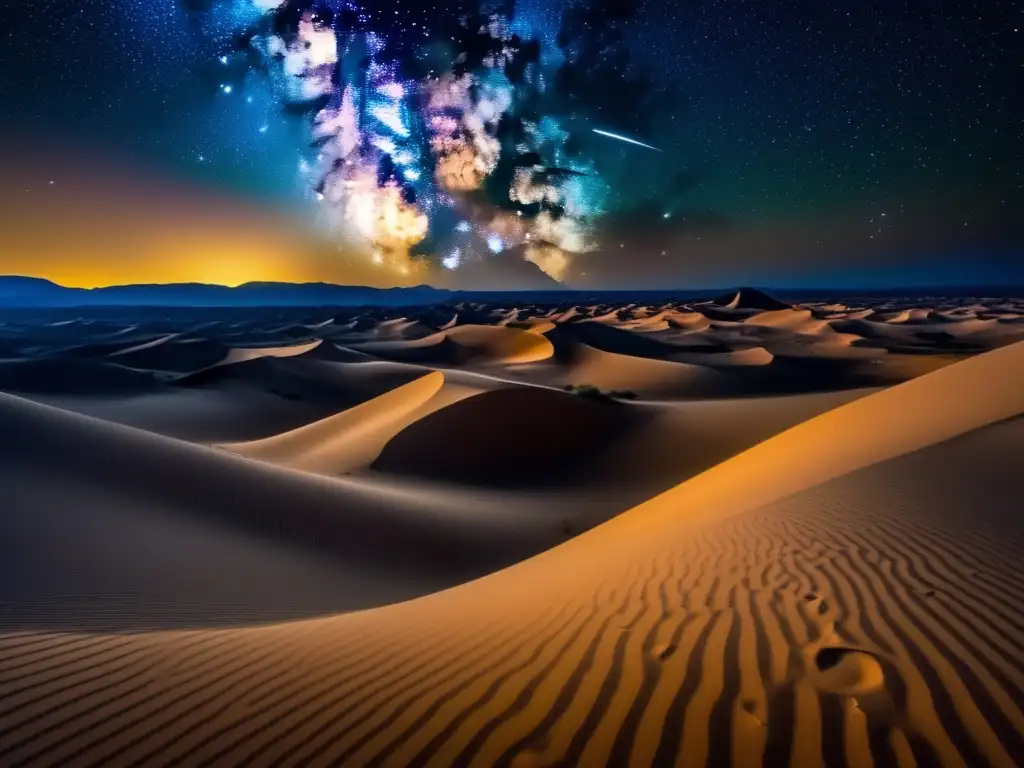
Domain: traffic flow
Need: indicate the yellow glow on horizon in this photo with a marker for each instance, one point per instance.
(100, 224)
(76, 257)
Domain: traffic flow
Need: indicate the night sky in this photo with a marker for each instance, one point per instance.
(801, 143)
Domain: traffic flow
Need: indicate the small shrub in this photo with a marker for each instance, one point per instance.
(585, 390)
(594, 393)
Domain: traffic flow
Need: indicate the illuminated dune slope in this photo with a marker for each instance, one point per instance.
(481, 344)
(153, 532)
(352, 439)
(847, 592)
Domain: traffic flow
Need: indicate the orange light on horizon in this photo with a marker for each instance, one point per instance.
(100, 224)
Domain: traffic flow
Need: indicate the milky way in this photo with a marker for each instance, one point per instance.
(417, 127)
(840, 143)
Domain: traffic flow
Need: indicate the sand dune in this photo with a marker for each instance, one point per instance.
(326, 350)
(48, 376)
(910, 316)
(647, 377)
(437, 348)
(535, 325)
(506, 345)
(638, 642)
(688, 321)
(750, 298)
(613, 339)
(138, 347)
(467, 343)
(509, 437)
(174, 355)
(646, 322)
(927, 410)
(255, 399)
(967, 336)
(833, 581)
(798, 333)
(201, 415)
(74, 473)
(787, 318)
(838, 347)
(245, 401)
(610, 445)
(401, 328)
(820, 363)
(352, 439)
(303, 378)
(241, 354)
(111, 345)
(749, 356)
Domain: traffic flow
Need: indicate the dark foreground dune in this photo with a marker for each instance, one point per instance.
(752, 535)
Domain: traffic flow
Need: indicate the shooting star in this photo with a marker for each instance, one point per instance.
(625, 139)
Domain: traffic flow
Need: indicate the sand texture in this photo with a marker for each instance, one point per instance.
(712, 533)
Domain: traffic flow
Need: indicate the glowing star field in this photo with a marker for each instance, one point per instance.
(424, 147)
(612, 143)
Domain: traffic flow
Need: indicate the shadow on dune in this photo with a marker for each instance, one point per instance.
(175, 356)
(437, 349)
(72, 376)
(510, 438)
(130, 530)
(705, 374)
(615, 340)
(305, 379)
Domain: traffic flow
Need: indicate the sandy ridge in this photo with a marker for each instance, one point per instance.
(817, 599)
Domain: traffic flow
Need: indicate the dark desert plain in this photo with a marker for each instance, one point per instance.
(733, 530)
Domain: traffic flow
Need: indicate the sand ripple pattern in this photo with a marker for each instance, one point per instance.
(871, 616)
(815, 630)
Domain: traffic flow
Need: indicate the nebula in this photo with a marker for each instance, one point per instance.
(412, 139)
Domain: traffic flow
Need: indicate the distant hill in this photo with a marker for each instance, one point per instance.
(20, 291)
(16, 291)
(749, 298)
(518, 284)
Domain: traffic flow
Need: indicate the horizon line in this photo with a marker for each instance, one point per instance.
(559, 288)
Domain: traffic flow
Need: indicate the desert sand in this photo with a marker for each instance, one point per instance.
(730, 532)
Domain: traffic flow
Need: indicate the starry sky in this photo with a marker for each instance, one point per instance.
(802, 143)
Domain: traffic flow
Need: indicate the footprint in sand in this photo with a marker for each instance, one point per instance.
(818, 604)
(848, 671)
(533, 756)
(664, 652)
(528, 760)
(756, 708)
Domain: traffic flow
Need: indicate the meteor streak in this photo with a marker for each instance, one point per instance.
(625, 139)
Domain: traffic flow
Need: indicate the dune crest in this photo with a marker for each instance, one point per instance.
(918, 413)
(844, 592)
(502, 345)
(649, 376)
(350, 439)
(484, 344)
(242, 354)
(507, 437)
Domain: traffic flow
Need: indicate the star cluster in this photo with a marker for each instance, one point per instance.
(441, 134)
(421, 121)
